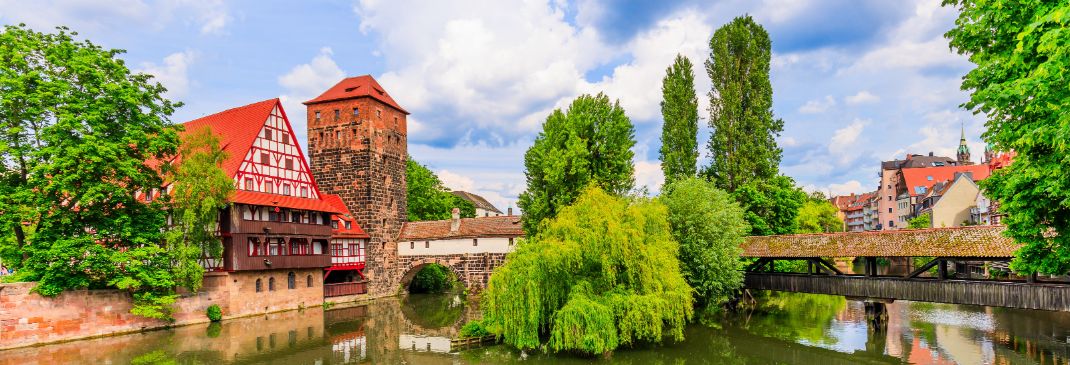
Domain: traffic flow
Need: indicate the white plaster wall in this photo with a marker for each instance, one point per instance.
(424, 343)
(455, 246)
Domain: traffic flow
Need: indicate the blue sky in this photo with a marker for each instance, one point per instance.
(856, 82)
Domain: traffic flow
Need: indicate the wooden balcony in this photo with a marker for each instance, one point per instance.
(340, 289)
(281, 228)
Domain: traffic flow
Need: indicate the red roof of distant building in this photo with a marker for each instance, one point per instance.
(1001, 161)
(354, 229)
(500, 226)
(929, 176)
(357, 87)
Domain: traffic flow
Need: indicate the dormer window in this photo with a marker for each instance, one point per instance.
(334, 224)
(349, 225)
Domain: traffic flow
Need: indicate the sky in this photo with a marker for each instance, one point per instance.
(856, 82)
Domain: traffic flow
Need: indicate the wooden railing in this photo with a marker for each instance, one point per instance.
(340, 289)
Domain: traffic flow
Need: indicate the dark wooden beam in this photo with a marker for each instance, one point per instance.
(922, 269)
(829, 265)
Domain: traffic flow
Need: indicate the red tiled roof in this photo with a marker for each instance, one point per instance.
(975, 241)
(501, 226)
(237, 128)
(282, 201)
(354, 229)
(929, 176)
(357, 87)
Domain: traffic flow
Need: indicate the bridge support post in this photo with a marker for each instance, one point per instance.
(876, 314)
(942, 269)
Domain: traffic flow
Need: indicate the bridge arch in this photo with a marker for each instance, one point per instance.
(415, 266)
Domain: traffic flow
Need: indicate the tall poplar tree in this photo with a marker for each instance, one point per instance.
(743, 145)
(589, 143)
(1022, 54)
(679, 133)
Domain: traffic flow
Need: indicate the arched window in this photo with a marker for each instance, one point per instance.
(271, 284)
(259, 286)
(291, 281)
(309, 284)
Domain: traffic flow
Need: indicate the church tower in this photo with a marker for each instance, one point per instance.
(963, 155)
(357, 143)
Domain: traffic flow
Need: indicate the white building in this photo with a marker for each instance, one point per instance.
(483, 207)
(459, 236)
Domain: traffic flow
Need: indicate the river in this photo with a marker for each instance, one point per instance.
(782, 328)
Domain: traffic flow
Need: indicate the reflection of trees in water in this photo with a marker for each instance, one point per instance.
(792, 316)
(432, 311)
(1019, 336)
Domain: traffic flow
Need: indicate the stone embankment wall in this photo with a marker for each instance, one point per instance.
(27, 318)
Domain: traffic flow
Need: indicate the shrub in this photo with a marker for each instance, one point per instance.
(474, 329)
(215, 314)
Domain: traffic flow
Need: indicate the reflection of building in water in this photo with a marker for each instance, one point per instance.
(424, 343)
(349, 348)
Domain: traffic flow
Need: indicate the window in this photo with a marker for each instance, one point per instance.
(304, 191)
(255, 248)
(337, 134)
(285, 189)
(379, 113)
(295, 217)
(265, 159)
(334, 224)
(271, 287)
(889, 198)
(889, 210)
(249, 183)
(356, 111)
(317, 116)
(269, 187)
(285, 138)
(930, 178)
(510, 241)
(412, 245)
(291, 281)
(308, 284)
(289, 164)
(259, 288)
(337, 114)
(267, 134)
(349, 225)
(247, 213)
(475, 242)
(276, 247)
(148, 197)
(317, 248)
(891, 223)
(889, 186)
(427, 244)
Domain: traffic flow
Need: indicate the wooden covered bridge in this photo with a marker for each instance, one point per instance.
(944, 249)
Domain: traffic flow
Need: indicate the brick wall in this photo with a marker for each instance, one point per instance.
(27, 318)
(362, 159)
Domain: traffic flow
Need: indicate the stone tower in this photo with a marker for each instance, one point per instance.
(357, 144)
(963, 155)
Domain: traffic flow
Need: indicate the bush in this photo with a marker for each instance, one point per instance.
(474, 329)
(433, 278)
(215, 314)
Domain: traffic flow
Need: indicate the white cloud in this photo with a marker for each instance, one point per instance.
(818, 105)
(456, 181)
(494, 172)
(847, 188)
(842, 144)
(173, 73)
(304, 82)
(648, 174)
(862, 97)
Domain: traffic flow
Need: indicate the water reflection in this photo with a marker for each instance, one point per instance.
(781, 329)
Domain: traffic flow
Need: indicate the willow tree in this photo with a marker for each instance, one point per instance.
(601, 275)
(589, 143)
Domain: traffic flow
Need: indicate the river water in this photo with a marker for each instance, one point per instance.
(782, 328)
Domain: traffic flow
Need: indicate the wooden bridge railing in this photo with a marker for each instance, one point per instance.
(340, 289)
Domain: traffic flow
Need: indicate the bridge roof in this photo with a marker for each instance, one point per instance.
(976, 241)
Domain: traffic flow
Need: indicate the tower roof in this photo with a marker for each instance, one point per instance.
(357, 87)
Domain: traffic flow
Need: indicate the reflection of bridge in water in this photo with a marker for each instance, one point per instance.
(946, 249)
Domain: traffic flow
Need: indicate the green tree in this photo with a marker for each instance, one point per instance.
(432, 278)
(1020, 83)
(589, 143)
(428, 198)
(78, 127)
(600, 275)
(743, 144)
(771, 205)
(200, 190)
(709, 226)
(679, 133)
(818, 216)
(921, 221)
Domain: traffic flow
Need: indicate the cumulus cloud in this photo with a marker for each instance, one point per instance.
(862, 97)
(818, 105)
(173, 73)
(843, 140)
(847, 188)
(304, 82)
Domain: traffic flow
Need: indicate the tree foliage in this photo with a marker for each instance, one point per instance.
(771, 205)
(1022, 52)
(77, 128)
(743, 145)
(433, 278)
(428, 198)
(200, 190)
(921, 221)
(709, 226)
(679, 133)
(589, 143)
(818, 216)
(600, 275)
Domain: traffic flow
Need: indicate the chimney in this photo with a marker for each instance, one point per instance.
(930, 153)
(455, 221)
(510, 210)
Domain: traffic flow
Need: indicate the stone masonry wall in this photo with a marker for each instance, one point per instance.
(28, 318)
(473, 270)
(362, 159)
